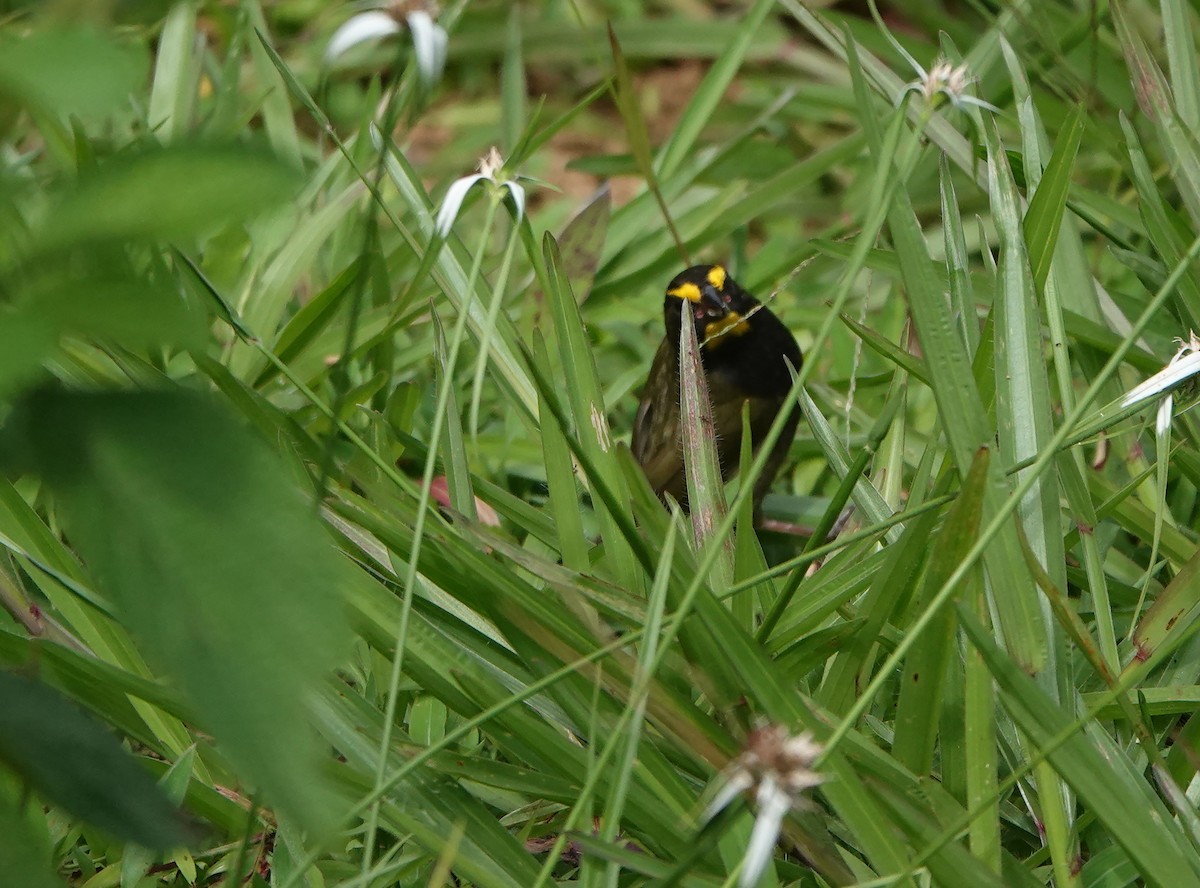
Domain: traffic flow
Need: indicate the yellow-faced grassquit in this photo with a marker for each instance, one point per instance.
(745, 351)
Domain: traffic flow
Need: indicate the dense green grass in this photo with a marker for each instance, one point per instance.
(330, 518)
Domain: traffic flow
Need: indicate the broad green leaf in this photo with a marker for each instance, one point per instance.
(214, 559)
(167, 193)
(68, 70)
(121, 307)
(73, 762)
(56, 573)
(137, 860)
(24, 838)
(26, 339)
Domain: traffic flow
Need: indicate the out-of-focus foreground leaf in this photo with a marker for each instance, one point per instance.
(214, 558)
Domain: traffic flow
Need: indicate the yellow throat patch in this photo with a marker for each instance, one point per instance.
(716, 332)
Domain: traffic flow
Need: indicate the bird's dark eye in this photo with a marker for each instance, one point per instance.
(700, 313)
(728, 297)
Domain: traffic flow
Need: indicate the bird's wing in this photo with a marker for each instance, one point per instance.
(655, 443)
(727, 419)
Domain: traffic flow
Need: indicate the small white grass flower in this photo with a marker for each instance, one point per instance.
(429, 38)
(944, 81)
(490, 168)
(945, 78)
(777, 766)
(1185, 364)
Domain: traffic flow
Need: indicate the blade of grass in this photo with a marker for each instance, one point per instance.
(175, 67)
(925, 668)
(1094, 767)
(707, 97)
(639, 140)
(560, 478)
(706, 492)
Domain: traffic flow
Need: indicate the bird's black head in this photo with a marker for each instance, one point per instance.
(717, 305)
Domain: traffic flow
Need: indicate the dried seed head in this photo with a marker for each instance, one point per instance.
(778, 767)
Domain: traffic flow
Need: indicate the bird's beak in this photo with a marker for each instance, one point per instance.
(711, 299)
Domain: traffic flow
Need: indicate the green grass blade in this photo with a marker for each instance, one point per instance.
(704, 102)
(560, 478)
(925, 668)
(966, 429)
(1044, 216)
(175, 68)
(706, 492)
(1094, 767)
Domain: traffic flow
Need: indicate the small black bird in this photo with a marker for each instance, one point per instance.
(745, 351)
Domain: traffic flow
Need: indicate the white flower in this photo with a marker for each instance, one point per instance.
(429, 45)
(490, 167)
(373, 25)
(429, 38)
(778, 767)
(944, 79)
(1185, 364)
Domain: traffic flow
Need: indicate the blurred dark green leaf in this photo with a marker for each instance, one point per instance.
(25, 340)
(216, 560)
(75, 763)
(69, 70)
(24, 840)
(133, 311)
(168, 193)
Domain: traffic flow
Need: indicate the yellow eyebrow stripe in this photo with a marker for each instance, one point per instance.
(690, 292)
(716, 277)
